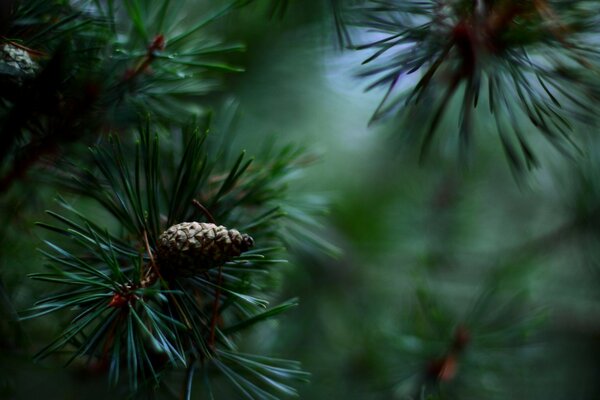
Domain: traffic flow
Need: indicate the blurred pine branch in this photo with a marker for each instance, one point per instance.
(532, 64)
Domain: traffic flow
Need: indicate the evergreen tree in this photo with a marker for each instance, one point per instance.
(160, 270)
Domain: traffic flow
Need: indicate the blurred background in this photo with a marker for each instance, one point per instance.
(449, 280)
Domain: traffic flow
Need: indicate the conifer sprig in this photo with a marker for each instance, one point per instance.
(445, 352)
(139, 322)
(533, 62)
(97, 65)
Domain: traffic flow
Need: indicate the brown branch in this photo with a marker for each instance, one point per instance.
(204, 210)
(153, 277)
(213, 321)
(149, 277)
(158, 44)
(22, 47)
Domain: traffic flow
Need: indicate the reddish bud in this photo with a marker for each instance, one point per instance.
(449, 368)
(118, 300)
(443, 369)
(158, 44)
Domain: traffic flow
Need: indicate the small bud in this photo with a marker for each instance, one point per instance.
(158, 44)
(118, 300)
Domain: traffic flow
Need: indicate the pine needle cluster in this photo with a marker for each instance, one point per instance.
(86, 73)
(533, 65)
(134, 316)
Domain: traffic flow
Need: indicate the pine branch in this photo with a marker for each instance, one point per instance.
(532, 59)
(143, 312)
(95, 67)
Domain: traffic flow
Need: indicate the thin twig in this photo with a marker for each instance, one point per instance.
(22, 47)
(158, 275)
(153, 267)
(213, 322)
(158, 44)
(204, 210)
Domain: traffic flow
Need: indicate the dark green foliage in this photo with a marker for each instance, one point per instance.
(442, 287)
(161, 61)
(131, 320)
(276, 8)
(100, 64)
(451, 356)
(41, 111)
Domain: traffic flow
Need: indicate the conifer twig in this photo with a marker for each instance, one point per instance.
(204, 210)
(213, 321)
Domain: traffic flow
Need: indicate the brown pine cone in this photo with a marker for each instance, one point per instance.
(18, 59)
(191, 247)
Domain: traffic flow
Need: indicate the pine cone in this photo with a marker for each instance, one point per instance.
(18, 59)
(190, 247)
